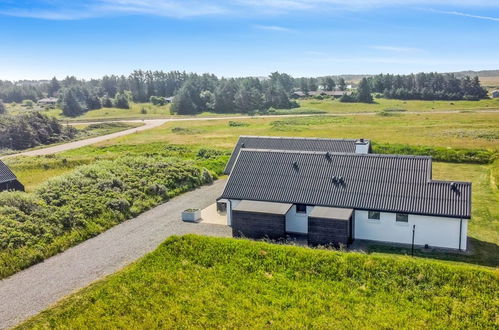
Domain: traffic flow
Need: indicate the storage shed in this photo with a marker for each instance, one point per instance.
(330, 225)
(256, 219)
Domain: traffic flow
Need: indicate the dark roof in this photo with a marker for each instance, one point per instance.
(386, 183)
(6, 174)
(331, 213)
(290, 143)
(263, 207)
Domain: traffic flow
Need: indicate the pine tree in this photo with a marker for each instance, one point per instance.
(54, 87)
(70, 105)
(364, 92)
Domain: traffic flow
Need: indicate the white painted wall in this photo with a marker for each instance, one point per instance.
(297, 222)
(434, 231)
(231, 204)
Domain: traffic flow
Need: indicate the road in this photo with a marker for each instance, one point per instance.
(152, 123)
(34, 289)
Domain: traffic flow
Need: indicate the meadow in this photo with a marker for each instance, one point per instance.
(307, 106)
(201, 282)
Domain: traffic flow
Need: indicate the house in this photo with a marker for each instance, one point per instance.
(49, 101)
(336, 198)
(8, 181)
(169, 99)
(299, 144)
(495, 94)
(335, 94)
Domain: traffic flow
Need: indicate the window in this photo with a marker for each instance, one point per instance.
(402, 217)
(301, 208)
(373, 215)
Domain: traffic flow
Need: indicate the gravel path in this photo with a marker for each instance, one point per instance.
(34, 289)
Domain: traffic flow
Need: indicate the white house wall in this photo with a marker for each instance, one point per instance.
(231, 204)
(297, 222)
(434, 231)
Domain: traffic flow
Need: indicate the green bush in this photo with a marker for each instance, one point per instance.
(75, 206)
(451, 155)
(237, 124)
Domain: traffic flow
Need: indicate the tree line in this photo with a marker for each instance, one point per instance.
(195, 93)
(427, 86)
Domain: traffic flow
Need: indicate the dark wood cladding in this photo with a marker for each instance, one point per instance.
(11, 185)
(328, 231)
(258, 225)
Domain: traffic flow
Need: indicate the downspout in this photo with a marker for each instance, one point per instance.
(460, 232)
(230, 213)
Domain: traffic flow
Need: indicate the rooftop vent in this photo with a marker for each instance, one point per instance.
(295, 165)
(243, 145)
(328, 155)
(453, 186)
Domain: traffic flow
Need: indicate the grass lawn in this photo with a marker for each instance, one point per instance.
(200, 282)
(335, 106)
(136, 111)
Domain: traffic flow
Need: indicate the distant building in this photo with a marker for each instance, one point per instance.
(335, 94)
(169, 99)
(8, 181)
(495, 94)
(48, 101)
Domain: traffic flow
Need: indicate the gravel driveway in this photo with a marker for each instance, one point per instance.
(30, 291)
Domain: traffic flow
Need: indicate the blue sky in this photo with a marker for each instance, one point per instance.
(40, 39)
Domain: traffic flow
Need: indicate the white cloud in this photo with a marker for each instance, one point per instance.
(273, 28)
(457, 13)
(397, 49)
(80, 9)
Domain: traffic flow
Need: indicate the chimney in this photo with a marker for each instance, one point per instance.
(362, 146)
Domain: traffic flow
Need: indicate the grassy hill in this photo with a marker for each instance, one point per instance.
(203, 282)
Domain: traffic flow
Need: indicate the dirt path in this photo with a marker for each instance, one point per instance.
(36, 288)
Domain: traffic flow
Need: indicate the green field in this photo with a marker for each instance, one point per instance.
(307, 106)
(335, 106)
(85, 131)
(200, 282)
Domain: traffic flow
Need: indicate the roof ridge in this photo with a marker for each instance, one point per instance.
(299, 138)
(335, 153)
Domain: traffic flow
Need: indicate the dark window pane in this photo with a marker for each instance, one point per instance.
(301, 208)
(402, 217)
(373, 215)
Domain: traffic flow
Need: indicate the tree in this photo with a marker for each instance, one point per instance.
(93, 102)
(71, 107)
(107, 102)
(364, 92)
(249, 99)
(3, 110)
(208, 99)
(342, 84)
(329, 84)
(225, 94)
(54, 87)
(121, 101)
(183, 102)
(157, 100)
(304, 85)
(312, 84)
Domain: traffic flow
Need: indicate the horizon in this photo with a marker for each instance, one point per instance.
(43, 39)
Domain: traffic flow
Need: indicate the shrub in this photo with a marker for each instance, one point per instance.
(87, 201)
(451, 155)
(237, 124)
